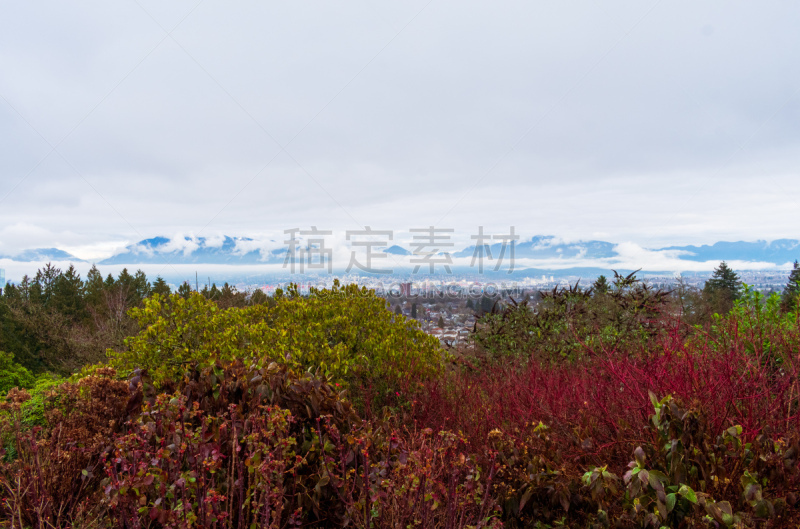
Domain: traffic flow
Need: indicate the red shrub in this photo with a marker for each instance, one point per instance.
(50, 478)
(224, 455)
(603, 402)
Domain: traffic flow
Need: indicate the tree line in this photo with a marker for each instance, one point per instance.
(57, 321)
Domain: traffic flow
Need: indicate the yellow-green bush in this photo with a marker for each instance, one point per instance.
(346, 333)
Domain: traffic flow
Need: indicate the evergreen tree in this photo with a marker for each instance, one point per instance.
(94, 288)
(185, 290)
(68, 294)
(440, 323)
(258, 297)
(470, 305)
(141, 286)
(227, 291)
(230, 297)
(724, 280)
(45, 282)
(10, 292)
(414, 311)
(35, 293)
(791, 292)
(601, 285)
(214, 293)
(125, 282)
(24, 288)
(126, 290)
(723, 288)
(398, 310)
(160, 287)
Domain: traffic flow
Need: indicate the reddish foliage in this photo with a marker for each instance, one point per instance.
(52, 479)
(603, 402)
(227, 452)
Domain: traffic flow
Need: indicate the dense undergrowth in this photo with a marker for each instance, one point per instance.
(613, 407)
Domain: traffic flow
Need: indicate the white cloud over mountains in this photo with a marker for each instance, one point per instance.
(183, 256)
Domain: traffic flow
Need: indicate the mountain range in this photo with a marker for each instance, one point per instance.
(247, 251)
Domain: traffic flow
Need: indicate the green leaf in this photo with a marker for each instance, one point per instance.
(734, 431)
(653, 399)
(671, 500)
(660, 476)
(764, 509)
(688, 493)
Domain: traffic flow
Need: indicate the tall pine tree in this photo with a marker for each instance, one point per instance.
(68, 295)
(723, 288)
(185, 290)
(258, 297)
(44, 284)
(724, 279)
(93, 288)
(601, 285)
(141, 286)
(160, 287)
(791, 293)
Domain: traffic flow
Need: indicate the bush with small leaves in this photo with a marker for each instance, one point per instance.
(346, 333)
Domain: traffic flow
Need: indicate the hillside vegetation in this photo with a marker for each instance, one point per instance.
(619, 405)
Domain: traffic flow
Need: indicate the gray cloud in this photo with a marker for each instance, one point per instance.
(667, 124)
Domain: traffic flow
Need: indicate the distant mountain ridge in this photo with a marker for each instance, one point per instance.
(779, 251)
(549, 247)
(43, 254)
(248, 251)
(160, 250)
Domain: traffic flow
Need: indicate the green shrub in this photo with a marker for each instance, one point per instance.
(760, 324)
(33, 411)
(13, 375)
(569, 323)
(345, 333)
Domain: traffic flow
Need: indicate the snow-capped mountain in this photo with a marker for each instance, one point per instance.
(549, 247)
(540, 251)
(200, 250)
(42, 255)
(780, 251)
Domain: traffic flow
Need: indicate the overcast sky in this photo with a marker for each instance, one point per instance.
(653, 123)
